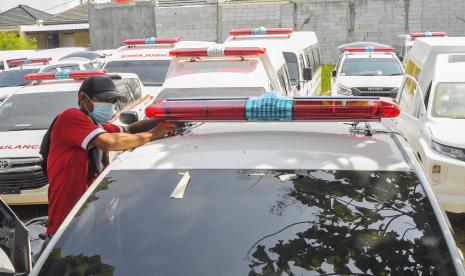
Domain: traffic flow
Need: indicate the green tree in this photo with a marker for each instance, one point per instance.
(11, 41)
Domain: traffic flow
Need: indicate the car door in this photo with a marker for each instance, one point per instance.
(411, 103)
(15, 252)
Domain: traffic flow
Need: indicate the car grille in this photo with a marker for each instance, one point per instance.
(21, 174)
(375, 91)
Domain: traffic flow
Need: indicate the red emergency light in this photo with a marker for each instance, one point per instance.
(30, 61)
(151, 41)
(370, 49)
(262, 31)
(427, 34)
(66, 74)
(217, 52)
(273, 107)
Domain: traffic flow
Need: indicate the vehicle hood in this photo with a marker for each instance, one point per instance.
(371, 81)
(6, 91)
(20, 143)
(449, 132)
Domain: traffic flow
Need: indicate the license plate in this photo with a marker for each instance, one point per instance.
(9, 190)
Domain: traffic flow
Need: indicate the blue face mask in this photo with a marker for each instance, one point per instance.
(102, 112)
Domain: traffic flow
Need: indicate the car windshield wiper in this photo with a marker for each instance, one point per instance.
(396, 74)
(26, 128)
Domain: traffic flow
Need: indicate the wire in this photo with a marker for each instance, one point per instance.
(60, 5)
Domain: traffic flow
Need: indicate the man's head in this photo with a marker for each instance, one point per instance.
(97, 96)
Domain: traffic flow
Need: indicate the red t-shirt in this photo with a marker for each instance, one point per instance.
(67, 164)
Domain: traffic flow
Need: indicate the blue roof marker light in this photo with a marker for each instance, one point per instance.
(271, 106)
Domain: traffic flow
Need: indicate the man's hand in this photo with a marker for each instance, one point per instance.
(162, 130)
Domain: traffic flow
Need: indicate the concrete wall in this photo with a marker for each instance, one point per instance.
(112, 23)
(335, 21)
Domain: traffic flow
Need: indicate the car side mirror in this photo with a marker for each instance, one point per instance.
(128, 117)
(333, 73)
(307, 74)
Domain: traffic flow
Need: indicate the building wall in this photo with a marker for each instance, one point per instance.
(335, 21)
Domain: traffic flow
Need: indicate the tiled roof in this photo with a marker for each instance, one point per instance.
(21, 15)
(78, 14)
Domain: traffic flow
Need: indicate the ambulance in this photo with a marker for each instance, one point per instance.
(7, 56)
(367, 71)
(225, 71)
(148, 58)
(301, 51)
(25, 117)
(12, 79)
(404, 42)
(432, 100)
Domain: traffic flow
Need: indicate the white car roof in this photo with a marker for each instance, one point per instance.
(15, 54)
(152, 51)
(294, 42)
(56, 53)
(450, 68)
(218, 73)
(426, 47)
(294, 145)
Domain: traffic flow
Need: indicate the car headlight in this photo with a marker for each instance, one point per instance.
(452, 152)
(341, 89)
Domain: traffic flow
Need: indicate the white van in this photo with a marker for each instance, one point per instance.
(301, 51)
(404, 42)
(220, 71)
(432, 100)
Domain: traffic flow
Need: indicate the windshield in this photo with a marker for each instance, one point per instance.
(211, 92)
(253, 222)
(293, 67)
(15, 77)
(371, 67)
(15, 113)
(150, 72)
(449, 101)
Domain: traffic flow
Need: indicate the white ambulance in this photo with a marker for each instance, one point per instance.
(432, 100)
(404, 42)
(367, 71)
(7, 56)
(225, 71)
(148, 58)
(25, 117)
(301, 52)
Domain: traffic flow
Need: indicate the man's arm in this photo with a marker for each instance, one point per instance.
(141, 126)
(124, 141)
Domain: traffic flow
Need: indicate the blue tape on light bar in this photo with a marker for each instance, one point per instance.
(428, 34)
(259, 31)
(27, 61)
(62, 74)
(150, 40)
(369, 49)
(269, 107)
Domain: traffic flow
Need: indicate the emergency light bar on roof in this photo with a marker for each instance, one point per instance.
(65, 74)
(30, 61)
(217, 52)
(274, 107)
(427, 34)
(151, 41)
(261, 31)
(370, 49)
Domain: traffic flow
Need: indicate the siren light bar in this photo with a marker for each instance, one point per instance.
(261, 31)
(151, 40)
(65, 74)
(30, 61)
(370, 49)
(427, 34)
(274, 107)
(217, 52)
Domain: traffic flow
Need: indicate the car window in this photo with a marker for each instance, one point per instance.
(371, 67)
(135, 87)
(2, 65)
(15, 113)
(150, 72)
(15, 77)
(125, 91)
(253, 222)
(293, 66)
(407, 98)
(449, 101)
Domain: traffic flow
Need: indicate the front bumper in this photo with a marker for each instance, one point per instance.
(449, 183)
(27, 197)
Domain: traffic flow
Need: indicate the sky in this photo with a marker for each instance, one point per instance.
(50, 6)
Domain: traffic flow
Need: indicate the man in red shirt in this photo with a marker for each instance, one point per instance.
(80, 140)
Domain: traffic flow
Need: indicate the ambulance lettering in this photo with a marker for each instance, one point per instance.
(12, 147)
(144, 55)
